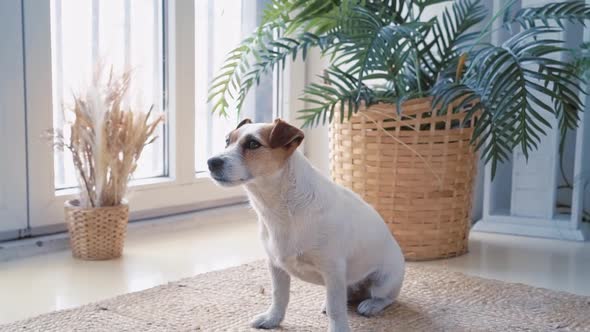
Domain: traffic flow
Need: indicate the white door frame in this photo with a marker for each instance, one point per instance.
(13, 186)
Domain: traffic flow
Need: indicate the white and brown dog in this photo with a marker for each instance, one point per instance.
(311, 227)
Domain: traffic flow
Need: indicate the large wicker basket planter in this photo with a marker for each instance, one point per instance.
(96, 233)
(429, 215)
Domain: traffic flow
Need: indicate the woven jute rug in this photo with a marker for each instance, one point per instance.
(431, 300)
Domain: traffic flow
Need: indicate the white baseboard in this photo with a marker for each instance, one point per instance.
(552, 229)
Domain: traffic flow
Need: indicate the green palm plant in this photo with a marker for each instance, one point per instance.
(384, 51)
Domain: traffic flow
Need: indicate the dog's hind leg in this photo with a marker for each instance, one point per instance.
(384, 289)
(334, 274)
(359, 292)
(355, 294)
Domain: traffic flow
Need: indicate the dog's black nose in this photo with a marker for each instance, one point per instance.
(215, 164)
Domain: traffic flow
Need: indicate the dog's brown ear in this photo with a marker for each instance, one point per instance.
(243, 122)
(284, 135)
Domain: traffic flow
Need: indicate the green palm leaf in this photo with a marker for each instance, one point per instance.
(576, 11)
(374, 44)
(237, 76)
(340, 89)
(515, 86)
(452, 32)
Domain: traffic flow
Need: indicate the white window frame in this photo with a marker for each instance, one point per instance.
(181, 190)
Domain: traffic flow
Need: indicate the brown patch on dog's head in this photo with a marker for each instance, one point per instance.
(278, 141)
(284, 135)
(243, 122)
(256, 150)
(233, 135)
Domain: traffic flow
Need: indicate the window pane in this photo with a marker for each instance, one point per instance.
(218, 25)
(124, 34)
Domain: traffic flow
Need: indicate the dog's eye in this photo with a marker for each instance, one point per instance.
(252, 144)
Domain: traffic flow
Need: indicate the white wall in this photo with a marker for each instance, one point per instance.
(316, 139)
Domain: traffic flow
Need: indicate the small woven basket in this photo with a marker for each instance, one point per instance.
(96, 233)
(428, 214)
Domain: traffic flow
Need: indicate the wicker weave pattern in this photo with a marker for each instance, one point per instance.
(97, 233)
(429, 215)
(432, 300)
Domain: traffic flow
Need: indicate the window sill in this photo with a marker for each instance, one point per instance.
(145, 184)
(58, 239)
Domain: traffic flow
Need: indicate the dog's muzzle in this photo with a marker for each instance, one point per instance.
(226, 171)
(217, 169)
(215, 165)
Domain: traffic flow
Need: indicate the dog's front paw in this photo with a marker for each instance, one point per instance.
(265, 321)
(324, 308)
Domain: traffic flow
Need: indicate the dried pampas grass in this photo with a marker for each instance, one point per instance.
(106, 141)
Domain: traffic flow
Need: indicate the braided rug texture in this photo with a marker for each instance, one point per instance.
(432, 299)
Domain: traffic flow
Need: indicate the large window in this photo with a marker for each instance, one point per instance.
(220, 25)
(125, 35)
(218, 29)
(172, 47)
